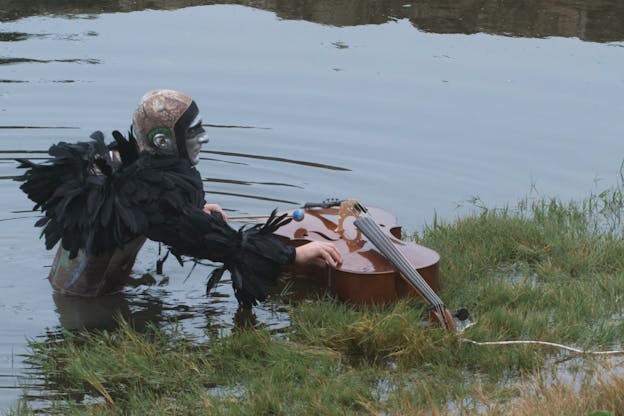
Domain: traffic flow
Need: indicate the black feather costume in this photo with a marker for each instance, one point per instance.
(96, 203)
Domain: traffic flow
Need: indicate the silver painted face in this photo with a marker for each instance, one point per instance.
(195, 137)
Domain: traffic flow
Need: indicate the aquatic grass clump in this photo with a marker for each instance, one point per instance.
(112, 364)
(574, 239)
(375, 335)
(282, 377)
(556, 267)
(164, 372)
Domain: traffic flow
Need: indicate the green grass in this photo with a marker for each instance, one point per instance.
(544, 270)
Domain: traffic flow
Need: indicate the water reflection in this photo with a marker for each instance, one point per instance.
(276, 159)
(256, 197)
(591, 20)
(147, 304)
(35, 128)
(12, 61)
(244, 182)
(76, 313)
(15, 36)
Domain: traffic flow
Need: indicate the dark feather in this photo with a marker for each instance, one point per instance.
(128, 150)
(215, 278)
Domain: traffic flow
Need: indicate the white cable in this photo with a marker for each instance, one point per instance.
(546, 343)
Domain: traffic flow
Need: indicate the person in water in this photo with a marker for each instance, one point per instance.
(103, 201)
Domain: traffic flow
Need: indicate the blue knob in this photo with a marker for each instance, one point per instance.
(298, 215)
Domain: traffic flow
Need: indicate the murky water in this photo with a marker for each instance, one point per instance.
(416, 107)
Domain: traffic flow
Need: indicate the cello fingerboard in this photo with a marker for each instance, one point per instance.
(371, 230)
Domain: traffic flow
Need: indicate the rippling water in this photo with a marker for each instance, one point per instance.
(416, 107)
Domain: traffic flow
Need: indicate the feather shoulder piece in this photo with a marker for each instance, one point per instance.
(96, 200)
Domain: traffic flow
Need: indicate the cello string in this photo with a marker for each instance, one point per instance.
(411, 272)
(395, 254)
(373, 232)
(384, 243)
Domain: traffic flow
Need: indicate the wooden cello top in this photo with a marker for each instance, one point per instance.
(359, 255)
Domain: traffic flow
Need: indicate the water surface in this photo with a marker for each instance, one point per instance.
(416, 107)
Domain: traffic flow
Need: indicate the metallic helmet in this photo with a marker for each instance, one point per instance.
(160, 122)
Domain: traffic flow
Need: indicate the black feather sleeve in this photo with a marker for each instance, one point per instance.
(173, 211)
(253, 256)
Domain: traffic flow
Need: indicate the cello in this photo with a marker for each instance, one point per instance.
(378, 267)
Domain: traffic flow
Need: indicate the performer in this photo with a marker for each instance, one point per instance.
(102, 202)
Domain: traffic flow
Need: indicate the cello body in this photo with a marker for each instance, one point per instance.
(365, 275)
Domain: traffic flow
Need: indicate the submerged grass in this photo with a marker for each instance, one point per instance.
(544, 270)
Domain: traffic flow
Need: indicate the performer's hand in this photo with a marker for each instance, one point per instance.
(319, 253)
(208, 208)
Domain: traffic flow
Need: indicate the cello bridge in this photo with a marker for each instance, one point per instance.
(348, 208)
